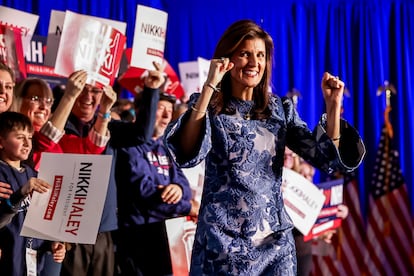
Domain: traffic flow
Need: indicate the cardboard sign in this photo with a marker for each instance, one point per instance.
(181, 233)
(303, 200)
(71, 211)
(26, 22)
(57, 18)
(149, 37)
(327, 219)
(90, 45)
(35, 68)
(11, 51)
(193, 75)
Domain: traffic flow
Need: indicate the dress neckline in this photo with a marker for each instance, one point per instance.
(244, 108)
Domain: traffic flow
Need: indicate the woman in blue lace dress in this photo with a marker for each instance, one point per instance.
(241, 130)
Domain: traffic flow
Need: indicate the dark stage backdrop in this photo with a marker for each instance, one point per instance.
(363, 42)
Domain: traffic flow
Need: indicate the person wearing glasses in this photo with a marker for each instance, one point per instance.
(34, 99)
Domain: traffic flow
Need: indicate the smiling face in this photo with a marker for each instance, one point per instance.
(6, 90)
(37, 104)
(16, 146)
(87, 103)
(162, 117)
(249, 64)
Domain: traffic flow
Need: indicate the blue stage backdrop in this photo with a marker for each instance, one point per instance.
(363, 42)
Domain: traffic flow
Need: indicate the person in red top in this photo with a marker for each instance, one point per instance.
(79, 98)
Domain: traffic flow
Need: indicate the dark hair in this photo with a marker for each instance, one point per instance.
(231, 39)
(163, 97)
(10, 120)
(5, 67)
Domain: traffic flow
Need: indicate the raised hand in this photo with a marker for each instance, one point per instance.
(108, 99)
(218, 67)
(155, 78)
(76, 83)
(333, 89)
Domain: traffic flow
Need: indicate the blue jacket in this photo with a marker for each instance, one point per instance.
(139, 170)
(12, 215)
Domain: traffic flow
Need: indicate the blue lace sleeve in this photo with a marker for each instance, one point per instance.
(175, 126)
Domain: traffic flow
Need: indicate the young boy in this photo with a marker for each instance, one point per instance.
(20, 255)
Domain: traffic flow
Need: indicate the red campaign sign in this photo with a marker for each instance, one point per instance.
(133, 78)
(11, 50)
(327, 218)
(92, 46)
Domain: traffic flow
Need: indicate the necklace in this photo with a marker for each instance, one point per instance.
(248, 115)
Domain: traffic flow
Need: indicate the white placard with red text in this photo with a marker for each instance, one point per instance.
(25, 21)
(90, 45)
(71, 211)
(149, 37)
(303, 200)
(181, 234)
(57, 18)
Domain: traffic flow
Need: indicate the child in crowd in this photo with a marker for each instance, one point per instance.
(20, 255)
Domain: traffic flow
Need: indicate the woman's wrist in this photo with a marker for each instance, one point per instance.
(211, 86)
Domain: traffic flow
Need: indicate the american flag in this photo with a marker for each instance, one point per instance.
(390, 225)
(346, 256)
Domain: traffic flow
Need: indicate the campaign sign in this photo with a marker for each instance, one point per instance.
(303, 200)
(327, 218)
(57, 18)
(35, 67)
(149, 37)
(25, 22)
(71, 210)
(193, 74)
(181, 234)
(90, 45)
(11, 50)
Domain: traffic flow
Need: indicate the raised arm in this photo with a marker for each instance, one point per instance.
(74, 87)
(189, 135)
(125, 134)
(104, 114)
(333, 90)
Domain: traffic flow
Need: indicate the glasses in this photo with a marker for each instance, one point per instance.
(7, 86)
(93, 90)
(38, 100)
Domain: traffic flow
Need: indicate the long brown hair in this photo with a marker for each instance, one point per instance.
(230, 40)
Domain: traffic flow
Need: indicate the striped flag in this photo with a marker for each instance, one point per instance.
(390, 225)
(346, 256)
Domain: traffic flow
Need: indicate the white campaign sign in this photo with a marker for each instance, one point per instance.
(71, 211)
(25, 21)
(149, 37)
(57, 19)
(303, 200)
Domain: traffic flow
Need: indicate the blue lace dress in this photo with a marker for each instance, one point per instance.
(243, 228)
